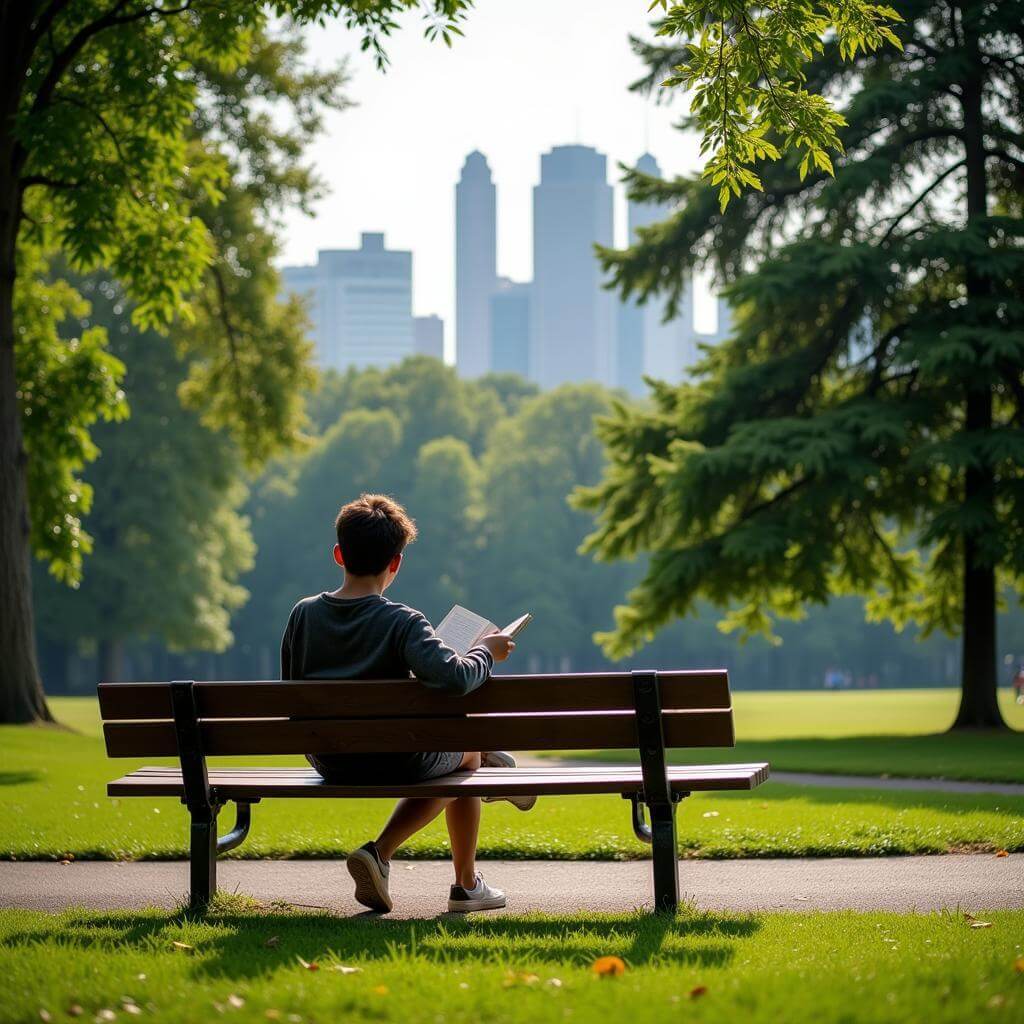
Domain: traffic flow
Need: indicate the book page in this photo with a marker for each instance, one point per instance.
(460, 629)
(516, 626)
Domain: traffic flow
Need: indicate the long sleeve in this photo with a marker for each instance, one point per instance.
(286, 651)
(436, 665)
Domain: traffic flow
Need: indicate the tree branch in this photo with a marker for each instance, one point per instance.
(1001, 154)
(45, 21)
(41, 179)
(920, 199)
(113, 17)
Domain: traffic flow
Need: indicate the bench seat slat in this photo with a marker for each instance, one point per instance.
(594, 691)
(239, 783)
(574, 731)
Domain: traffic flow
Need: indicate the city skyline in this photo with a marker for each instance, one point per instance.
(480, 94)
(560, 327)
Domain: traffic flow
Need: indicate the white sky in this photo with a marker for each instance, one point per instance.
(527, 75)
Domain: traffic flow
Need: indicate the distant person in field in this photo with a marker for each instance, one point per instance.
(1018, 684)
(355, 632)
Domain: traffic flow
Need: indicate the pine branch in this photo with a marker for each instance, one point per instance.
(920, 199)
(1001, 154)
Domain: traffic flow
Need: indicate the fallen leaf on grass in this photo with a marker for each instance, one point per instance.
(514, 978)
(698, 990)
(1018, 965)
(183, 947)
(1003, 853)
(314, 966)
(380, 990)
(609, 966)
(344, 969)
(273, 942)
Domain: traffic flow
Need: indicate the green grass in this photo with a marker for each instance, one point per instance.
(899, 733)
(814, 967)
(53, 802)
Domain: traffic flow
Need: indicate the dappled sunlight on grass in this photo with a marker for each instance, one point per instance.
(253, 963)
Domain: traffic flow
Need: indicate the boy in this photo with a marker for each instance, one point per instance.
(354, 632)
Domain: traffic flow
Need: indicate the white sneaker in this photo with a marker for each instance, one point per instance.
(497, 759)
(480, 897)
(370, 874)
(503, 759)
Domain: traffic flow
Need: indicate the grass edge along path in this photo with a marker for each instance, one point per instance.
(248, 964)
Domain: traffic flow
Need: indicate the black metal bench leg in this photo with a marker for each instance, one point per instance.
(203, 860)
(666, 862)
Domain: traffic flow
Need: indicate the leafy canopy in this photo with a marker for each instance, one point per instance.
(832, 444)
(159, 141)
(745, 66)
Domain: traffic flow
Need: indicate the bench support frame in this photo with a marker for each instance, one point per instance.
(200, 799)
(657, 793)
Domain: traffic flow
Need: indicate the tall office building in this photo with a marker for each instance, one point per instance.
(572, 318)
(361, 304)
(510, 328)
(635, 320)
(476, 243)
(429, 335)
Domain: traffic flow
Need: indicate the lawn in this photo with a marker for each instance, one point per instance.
(53, 802)
(247, 964)
(864, 732)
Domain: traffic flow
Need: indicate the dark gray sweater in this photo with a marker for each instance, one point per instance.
(374, 638)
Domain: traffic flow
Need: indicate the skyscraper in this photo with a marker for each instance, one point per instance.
(360, 304)
(476, 276)
(572, 318)
(633, 317)
(510, 328)
(429, 335)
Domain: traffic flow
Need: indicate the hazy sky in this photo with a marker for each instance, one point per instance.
(528, 75)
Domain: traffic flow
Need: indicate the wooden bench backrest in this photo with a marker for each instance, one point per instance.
(518, 712)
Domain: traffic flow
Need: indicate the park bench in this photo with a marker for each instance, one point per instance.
(650, 711)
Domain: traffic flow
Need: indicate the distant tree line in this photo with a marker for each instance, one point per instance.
(194, 569)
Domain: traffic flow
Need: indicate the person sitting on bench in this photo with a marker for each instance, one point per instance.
(354, 632)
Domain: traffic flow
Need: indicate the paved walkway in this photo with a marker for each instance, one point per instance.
(420, 888)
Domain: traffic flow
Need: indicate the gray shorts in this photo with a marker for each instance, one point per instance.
(384, 769)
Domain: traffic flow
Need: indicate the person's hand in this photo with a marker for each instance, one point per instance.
(501, 645)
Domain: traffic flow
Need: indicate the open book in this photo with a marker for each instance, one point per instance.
(462, 629)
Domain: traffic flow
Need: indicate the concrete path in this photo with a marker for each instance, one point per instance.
(420, 888)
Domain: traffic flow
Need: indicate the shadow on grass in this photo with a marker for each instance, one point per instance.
(18, 778)
(236, 946)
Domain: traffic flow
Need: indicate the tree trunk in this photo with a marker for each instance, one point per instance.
(21, 691)
(979, 704)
